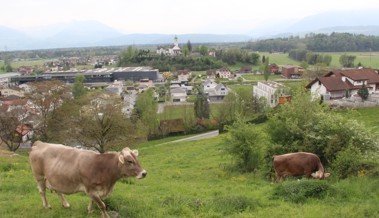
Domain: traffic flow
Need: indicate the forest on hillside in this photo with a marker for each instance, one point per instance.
(335, 42)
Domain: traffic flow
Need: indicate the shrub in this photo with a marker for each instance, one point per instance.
(347, 163)
(244, 143)
(363, 93)
(300, 191)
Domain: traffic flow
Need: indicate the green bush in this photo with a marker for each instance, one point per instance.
(351, 162)
(300, 191)
(245, 144)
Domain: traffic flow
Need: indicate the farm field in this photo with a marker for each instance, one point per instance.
(367, 59)
(188, 179)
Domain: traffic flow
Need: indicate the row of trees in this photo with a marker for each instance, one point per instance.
(309, 57)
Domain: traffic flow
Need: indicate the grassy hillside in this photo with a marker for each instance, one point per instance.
(188, 179)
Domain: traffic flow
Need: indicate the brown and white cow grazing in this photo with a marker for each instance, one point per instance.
(298, 164)
(68, 170)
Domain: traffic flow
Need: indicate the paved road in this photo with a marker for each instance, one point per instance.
(200, 136)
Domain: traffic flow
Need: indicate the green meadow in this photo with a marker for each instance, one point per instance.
(190, 179)
(367, 59)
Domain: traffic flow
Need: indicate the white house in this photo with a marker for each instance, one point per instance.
(270, 90)
(214, 90)
(179, 94)
(344, 83)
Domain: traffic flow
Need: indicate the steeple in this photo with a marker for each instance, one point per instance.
(176, 40)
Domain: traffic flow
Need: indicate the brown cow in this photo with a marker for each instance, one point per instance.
(68, 170)
(298, 164)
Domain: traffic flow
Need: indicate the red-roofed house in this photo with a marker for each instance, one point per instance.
(292, 72)
(345, 83)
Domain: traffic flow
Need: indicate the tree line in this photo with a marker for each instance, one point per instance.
(334, 42)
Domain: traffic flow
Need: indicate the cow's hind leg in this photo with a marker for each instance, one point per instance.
(41, 184)
(100, 204)
(65, 204)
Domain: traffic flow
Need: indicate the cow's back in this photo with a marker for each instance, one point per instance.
(296, 164)
(59, 165)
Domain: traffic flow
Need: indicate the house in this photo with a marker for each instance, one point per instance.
(183, 75)
(173, 50)
(224, 73)
(292, 72)
(274, 68)
(117, 87)
(25, 132)
(214, 90)
(178, 94)
(145, 84)
(344, 83)
(245, 69)
(270, 90)
(25, 69)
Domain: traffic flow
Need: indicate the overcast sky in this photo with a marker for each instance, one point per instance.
(170, 16)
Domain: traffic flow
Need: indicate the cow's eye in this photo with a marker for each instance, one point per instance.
(130, 162)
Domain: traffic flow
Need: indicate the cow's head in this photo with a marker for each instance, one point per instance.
(130, 165)
(320, 175)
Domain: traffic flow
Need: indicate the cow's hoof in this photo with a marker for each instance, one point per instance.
(66, 205)
(47, 206)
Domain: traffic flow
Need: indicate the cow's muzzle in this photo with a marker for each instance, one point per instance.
(142, 175)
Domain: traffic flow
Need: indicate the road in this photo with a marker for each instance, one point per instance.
(200, 136)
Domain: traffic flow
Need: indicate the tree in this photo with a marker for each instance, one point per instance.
(145, 110)
(189, 46)
(347, 60)
(12, 126)
(266, 69)
(101, 124)
(201, 106)
(78, 89)
(47, 96)
(203, 50)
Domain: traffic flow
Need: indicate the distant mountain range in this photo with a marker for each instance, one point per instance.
(93, 33)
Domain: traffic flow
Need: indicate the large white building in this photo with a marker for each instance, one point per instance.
(270, 90)
(171, 50)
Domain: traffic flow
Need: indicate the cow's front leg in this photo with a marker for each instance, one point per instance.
(101, 205)
(63, 199)
(90, 206)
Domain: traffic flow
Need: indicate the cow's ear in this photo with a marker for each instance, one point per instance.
(326, 175)
(135, 152)
(121, 158)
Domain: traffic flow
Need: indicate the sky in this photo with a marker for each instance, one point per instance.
(170, 16)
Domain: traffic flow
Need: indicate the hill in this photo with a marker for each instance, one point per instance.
(188, 179)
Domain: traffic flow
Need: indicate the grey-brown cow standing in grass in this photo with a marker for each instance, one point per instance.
(298, 164)
(68, 170)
